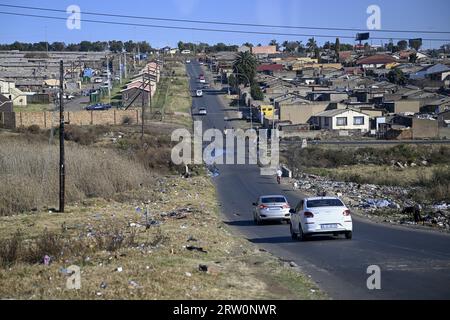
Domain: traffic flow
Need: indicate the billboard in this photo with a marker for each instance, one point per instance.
(362, 36)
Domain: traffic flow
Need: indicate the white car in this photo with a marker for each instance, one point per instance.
(271, 208)
(325, 215)
(199, 93)
(188, 61)
(202, 111)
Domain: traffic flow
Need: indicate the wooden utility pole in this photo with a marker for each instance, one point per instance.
(61, 138)
(143, 105)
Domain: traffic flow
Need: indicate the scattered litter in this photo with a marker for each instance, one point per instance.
(119, 269)
(203, 267)
(188, 274)
(47, 260)
(103, 285)
(133, 285)
(193, 248)
(213, 171)
(375, 203)
(293, 264)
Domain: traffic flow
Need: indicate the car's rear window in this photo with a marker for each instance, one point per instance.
(273, 200)
(324, 203)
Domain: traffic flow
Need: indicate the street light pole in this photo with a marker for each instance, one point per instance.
(239, 95)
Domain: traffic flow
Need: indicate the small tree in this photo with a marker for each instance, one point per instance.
(397, 76)
(402, 45)
(256, 92)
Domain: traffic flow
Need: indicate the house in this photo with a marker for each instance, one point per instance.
(269, 68)
(375, 61)
(132, 94)
(436, 106)
(9, 90)
(438, 72)
(300, 113)
(264, 50)
(331, 96)
(342, 119)
(409, 127)
(244, 49)
(403, 106)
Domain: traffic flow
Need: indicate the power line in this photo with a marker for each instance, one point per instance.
(207, 29)
(228, 23)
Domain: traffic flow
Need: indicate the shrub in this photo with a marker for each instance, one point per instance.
(127, 120)
(29, 175)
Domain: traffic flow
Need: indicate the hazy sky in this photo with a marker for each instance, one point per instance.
(433, 15)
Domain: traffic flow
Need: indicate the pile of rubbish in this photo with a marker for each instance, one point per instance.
(376, 199)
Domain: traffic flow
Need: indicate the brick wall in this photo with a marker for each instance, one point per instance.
(81, 118)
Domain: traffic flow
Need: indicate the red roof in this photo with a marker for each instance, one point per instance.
(270, 67)
(376, 59)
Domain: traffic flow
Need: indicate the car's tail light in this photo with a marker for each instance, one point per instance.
(347, 213)
(286, 206)
(309, 215)
(263, 206)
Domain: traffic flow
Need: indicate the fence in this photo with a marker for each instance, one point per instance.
(44, 120)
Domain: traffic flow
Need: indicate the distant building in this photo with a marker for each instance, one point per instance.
(244, 49)
(403, 106)
(264, 50)
(342, 119)
(375, 61)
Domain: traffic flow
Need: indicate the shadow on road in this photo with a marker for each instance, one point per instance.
(272, 240)
(240, 223)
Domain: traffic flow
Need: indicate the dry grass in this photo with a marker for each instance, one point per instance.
(29, 174)
(155, 262)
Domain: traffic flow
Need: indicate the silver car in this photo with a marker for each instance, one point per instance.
(271, 208)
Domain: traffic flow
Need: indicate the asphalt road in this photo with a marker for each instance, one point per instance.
(414, 264)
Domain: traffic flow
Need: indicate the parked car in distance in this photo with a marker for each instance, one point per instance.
(199, 93)
(320, 215)
(98, 80)
(202, 111)
(206, 86)
(271, 208)
(188, 61)
(98, 107)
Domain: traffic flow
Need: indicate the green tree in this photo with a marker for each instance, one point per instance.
(246, 64)
(415, 44)
(256, 92)
(311, 45)
(402, 45)
(397, 76)
(337, 47)
(116, 46)
(57, 46)
(274, 43)
(232, 81)
(413, 58)
(291, 46)
(129, 46)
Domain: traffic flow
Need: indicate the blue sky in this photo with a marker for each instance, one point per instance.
(431, 15)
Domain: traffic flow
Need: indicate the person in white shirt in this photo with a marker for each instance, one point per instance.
(279, 175)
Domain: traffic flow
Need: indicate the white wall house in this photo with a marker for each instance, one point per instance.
(342, 119)
(9, 90)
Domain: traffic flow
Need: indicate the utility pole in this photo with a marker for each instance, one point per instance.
(109, 79)
(61, 138)
(120, 69)
(150, 91)
(143, 105)
(125, 65)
